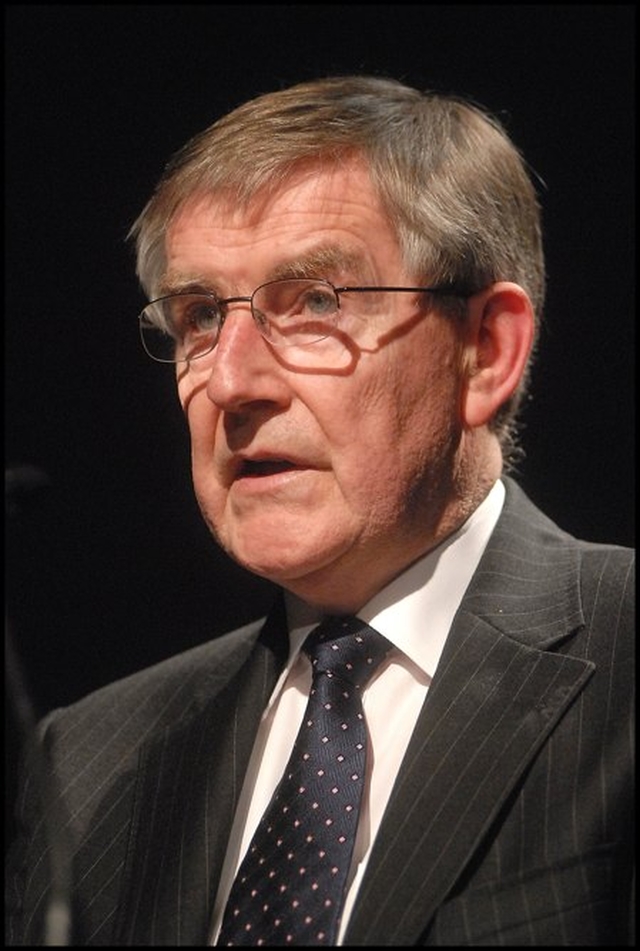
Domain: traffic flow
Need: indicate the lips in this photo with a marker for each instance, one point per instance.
(254, 468)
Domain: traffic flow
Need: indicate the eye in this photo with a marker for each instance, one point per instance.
(200, 315)
(185, 316)
(295, 301)
(318, 301)
(295, 312)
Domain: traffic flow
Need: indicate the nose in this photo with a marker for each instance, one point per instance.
(243, 369)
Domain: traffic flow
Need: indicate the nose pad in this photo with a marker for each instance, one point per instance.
(236, 321)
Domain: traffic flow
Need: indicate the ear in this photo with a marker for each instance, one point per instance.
(500, 331)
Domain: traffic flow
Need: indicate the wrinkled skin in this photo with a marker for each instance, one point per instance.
(327, 479)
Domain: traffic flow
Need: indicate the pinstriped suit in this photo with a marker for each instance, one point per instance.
(510, 823)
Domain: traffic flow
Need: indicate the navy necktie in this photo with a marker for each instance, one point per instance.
(290, 887)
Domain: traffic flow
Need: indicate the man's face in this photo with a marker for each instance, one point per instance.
(327, 471)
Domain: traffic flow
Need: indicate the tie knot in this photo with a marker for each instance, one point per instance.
(345, 647)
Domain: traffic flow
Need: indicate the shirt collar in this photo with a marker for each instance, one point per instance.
(415, 610)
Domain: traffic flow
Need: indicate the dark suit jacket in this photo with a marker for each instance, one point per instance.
(512, 818)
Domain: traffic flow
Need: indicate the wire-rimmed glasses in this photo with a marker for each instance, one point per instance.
(294, 312)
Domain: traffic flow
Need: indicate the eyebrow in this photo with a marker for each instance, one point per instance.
(183, 284)
(321, 262)
(324, 261)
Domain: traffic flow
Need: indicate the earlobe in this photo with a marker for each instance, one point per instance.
(501, 331)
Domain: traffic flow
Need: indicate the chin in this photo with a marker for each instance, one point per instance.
(282, 562)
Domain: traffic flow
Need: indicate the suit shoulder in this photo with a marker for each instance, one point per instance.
(171, 690)
(612, 559)
(607, 575)
(532, 526)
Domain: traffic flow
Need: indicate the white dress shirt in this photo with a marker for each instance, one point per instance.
(414, 612)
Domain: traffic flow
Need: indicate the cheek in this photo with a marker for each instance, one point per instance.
(198, 412)
(400, 439)
(202, 420)
(411, 399)
(188, 388)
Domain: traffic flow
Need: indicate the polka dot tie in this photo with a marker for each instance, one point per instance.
(290, 886)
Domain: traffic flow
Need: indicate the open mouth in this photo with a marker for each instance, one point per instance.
(253, 468)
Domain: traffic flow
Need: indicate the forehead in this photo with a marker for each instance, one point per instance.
(314, 209)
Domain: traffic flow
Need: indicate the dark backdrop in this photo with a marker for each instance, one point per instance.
(109, 567)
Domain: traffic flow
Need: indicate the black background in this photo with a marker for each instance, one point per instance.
(110, 567)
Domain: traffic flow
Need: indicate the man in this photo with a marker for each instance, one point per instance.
(348, 278)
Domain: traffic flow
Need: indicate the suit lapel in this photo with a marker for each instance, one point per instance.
(495, 697)
(188, 786)
(486, 715)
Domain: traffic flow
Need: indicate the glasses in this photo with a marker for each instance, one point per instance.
(296, 312)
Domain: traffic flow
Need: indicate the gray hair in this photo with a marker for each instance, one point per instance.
(455, 187)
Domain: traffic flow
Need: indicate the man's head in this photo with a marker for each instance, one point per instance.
(349, 457)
